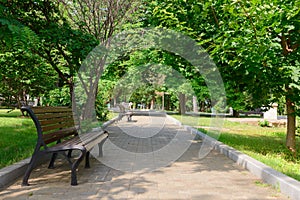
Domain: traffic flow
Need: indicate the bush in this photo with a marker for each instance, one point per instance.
(101, 111)
(263, 123)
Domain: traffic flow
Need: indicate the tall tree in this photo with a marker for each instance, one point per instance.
(23, 73)
(255, 45)
(58, 44)
(102, 19)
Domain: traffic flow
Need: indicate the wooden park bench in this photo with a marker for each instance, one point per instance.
(58, 133)
(257, 111)
(125, 112)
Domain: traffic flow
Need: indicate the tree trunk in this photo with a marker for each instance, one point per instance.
(115, 101)
(291, 126)
(167, 102)
(235, 113)
(163, 102)
(71, 91)
(195, 105)
(152, 103)
(182, 109)
(290, 106)
(89, 107)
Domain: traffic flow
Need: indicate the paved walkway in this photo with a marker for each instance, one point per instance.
(149, 158)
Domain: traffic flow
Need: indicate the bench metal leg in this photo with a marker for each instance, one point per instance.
(74, 168)
(52, 161)
(70, 153)
(100, 147)
(129, 117)
(29, 169)
(87, 160)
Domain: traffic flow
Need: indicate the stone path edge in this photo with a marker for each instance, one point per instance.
(11, 173)
(284, 183)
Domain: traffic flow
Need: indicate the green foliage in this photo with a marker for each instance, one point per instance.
(244, 39)
(39, 29)
(14, 34)
(23, 73)
(249, 51)
(263, 123)
(105, 91)
(151, 70)
(58, 97)
(255, 45)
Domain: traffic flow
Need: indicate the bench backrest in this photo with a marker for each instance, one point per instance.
(121, 108)
(52, 123)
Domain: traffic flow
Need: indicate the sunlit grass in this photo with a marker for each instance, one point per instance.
(17, 137)
(262, 143)
(112, 115)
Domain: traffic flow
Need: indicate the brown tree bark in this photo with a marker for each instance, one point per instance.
(152, 103)
(235, 113)
(195, 104)
(291, 126)
(182, 109)
(291, 116)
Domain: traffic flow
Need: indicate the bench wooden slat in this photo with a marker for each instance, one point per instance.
(82, 139)
(77, 141)
(54, 136)
(91, 143)
(43, 110)
(51, 115)
(56, 120)
(57, 126)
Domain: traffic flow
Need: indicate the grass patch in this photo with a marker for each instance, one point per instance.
(262, 143)
(18, 137)
(261, 184)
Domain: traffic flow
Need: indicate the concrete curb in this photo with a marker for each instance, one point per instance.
(11, 173)
(284, 183)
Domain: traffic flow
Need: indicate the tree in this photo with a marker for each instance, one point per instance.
(56, 43)
(255, 45)
(256, 48)
(23, 74)
(102, 19)
(150, 71)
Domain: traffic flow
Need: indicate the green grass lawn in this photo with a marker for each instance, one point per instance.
(262, 143)
(17, 137)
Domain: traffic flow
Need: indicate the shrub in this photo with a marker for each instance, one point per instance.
(263, 123)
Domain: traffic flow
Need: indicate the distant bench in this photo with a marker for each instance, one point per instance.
(57, 133)
(252, 112)
(127, 113)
